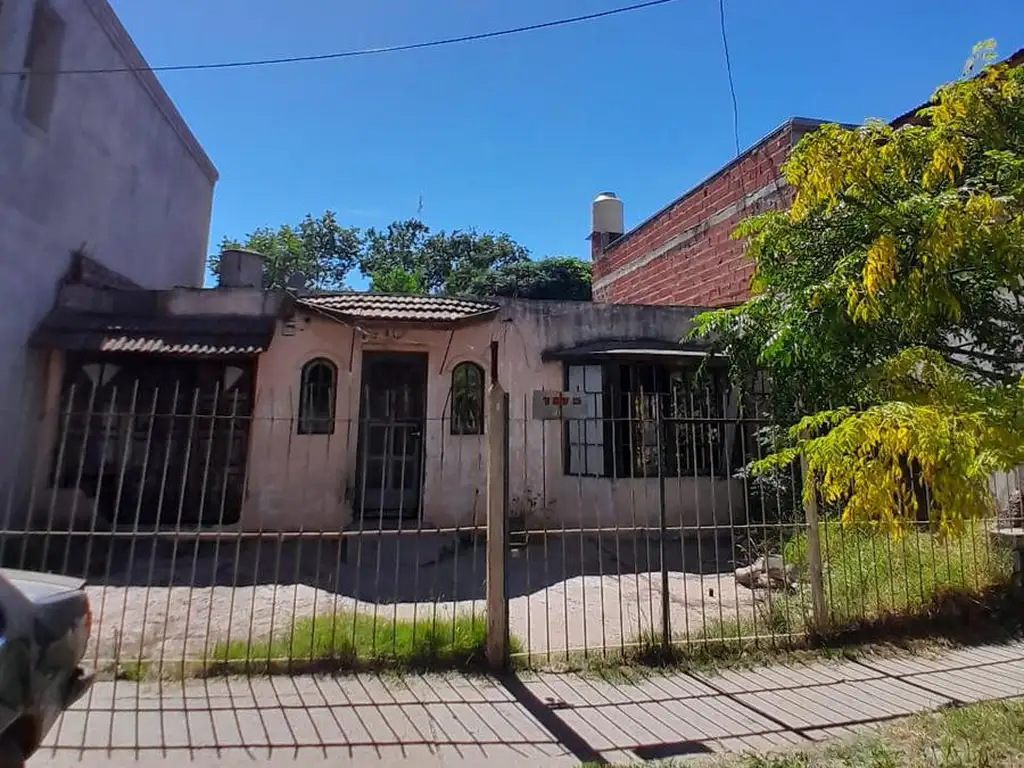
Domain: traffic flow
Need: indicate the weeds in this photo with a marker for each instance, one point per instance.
(870, 574)
(913, 594)
(348, 641)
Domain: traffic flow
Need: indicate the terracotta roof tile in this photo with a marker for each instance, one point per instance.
(373, 306)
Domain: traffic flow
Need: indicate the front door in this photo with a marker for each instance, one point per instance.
(391, 421)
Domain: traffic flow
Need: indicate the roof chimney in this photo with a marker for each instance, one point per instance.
(606, 223)
(240, 268)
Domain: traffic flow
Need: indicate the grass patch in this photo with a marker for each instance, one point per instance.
(639, 658)
(355, 641)
(881, 589)
(989, 735)
(917, 594)
(868, 574)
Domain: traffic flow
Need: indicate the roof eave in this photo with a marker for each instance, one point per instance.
(1015, 59)
(348, 318)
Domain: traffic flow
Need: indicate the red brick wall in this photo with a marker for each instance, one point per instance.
(684, 254)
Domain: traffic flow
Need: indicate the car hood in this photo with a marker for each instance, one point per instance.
(41, 586)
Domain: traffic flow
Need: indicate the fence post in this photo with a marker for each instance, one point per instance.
(666, 605)
(818, 608)
(497, 519)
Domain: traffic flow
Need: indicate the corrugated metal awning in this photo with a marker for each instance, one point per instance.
(182, 336)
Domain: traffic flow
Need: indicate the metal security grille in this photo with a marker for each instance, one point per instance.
(217, 538)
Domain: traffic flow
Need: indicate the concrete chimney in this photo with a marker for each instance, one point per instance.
(606, 223)
(240, 268)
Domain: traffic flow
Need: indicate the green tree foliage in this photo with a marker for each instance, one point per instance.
(399, 248)
(320, 248)
(887, 304)
(397, 281)
(448, 262)
(558, 277)
(407, 257)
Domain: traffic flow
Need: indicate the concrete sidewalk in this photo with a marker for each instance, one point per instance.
(546, 719)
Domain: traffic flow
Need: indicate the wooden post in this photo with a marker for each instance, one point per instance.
(497, 519)
(818, 608)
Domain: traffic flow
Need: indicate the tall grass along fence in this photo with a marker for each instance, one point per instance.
(218, 533)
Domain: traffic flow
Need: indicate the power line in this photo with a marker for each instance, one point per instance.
(364, 51)
(728, 70)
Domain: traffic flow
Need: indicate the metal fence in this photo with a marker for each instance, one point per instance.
(216, 539)
(671, 543)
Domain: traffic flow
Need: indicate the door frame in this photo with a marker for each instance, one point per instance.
(422, 359)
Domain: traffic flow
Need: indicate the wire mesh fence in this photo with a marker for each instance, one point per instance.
(218, 538)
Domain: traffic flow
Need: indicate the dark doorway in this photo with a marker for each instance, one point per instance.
(392, 412)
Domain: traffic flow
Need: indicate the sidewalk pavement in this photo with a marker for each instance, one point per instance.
(546, 719)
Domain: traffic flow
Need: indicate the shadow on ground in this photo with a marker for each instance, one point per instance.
(402, 568)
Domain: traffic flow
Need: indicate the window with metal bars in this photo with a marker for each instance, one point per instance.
(645, 419)
(467, 399)
(316, 397)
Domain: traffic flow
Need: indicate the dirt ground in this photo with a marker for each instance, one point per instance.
(159, 600)
(592, 612)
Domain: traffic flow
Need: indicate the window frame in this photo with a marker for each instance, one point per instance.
(44, 53)
(456, 427)
(674, 462)
(306, 423)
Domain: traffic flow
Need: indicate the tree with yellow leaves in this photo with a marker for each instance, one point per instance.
(887, 309)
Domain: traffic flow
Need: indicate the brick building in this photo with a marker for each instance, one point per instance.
(684, 254)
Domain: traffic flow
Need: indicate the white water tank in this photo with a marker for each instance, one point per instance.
(606, 217)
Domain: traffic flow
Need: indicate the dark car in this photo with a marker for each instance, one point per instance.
(45, 622)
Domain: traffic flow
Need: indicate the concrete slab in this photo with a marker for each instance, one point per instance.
(784, 676)
(992, 681)
(841, 703)
(500, 756)
(462, 720)
(904, 664)
(627, 726)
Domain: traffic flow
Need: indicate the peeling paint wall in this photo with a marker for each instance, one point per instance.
(309, 481)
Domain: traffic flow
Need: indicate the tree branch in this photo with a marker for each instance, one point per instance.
(967, 352)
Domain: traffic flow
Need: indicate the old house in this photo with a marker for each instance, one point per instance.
(236, 408)
(98, 164)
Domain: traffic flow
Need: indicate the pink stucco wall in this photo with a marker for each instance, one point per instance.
(308, 481)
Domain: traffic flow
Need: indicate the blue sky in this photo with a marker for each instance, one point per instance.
(518, 134)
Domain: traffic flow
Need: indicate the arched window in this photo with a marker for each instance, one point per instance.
(467, 399)
(316, 398)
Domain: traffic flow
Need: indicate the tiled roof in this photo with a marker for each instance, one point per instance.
(198, 335)
(375, 306)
